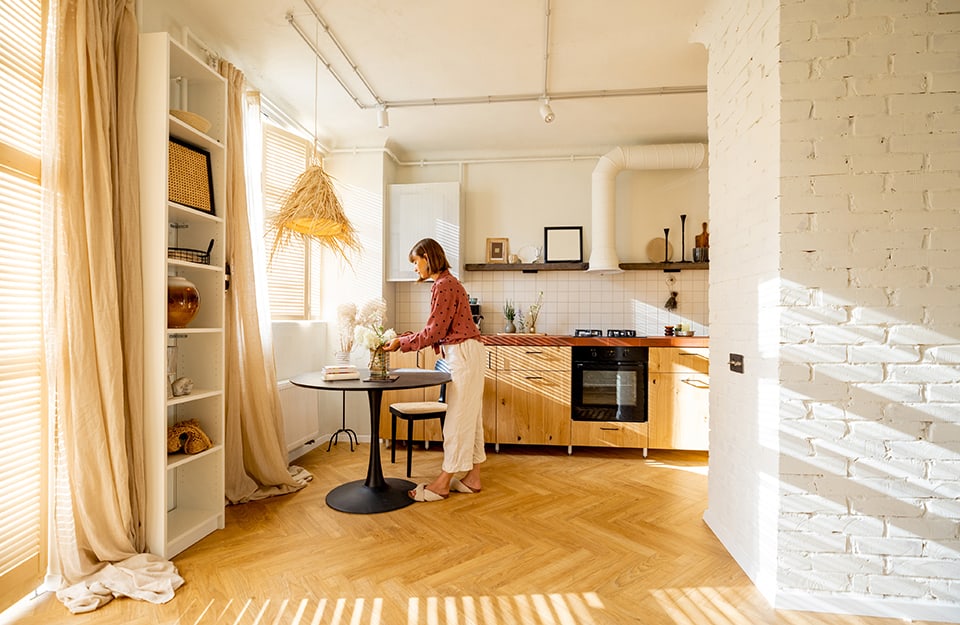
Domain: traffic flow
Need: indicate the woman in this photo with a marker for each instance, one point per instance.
(450, 330)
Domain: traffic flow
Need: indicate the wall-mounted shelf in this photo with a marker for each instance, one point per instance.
(526, 267)
(674, 266)
(535, 267)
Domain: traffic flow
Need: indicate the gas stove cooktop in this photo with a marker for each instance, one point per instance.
(610, 333)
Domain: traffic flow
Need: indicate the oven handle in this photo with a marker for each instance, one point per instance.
(610, 363)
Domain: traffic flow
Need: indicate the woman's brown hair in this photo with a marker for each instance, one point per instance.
(431, 250)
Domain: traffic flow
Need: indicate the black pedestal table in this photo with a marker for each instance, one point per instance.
(375, 493)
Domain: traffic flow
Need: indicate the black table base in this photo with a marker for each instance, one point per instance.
(358, 498)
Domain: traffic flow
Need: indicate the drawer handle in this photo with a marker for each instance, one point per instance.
(533, 377)
(614, 429)
(692, 354)
(696, 383)
(534, 352)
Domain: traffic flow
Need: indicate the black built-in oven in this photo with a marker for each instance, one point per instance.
(609, 384)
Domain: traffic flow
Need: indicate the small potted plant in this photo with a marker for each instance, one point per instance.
(510, 312)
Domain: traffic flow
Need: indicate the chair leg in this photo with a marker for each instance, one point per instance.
(393, 438)
(409, 446)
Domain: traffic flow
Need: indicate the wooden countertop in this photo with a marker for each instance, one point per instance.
(561, 340)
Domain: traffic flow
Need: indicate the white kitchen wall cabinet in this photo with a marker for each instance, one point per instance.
(418, 211)
(185, 492)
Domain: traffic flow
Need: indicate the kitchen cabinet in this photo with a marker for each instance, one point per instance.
(184, 492)
(678, 395)
(417, 211)
(533, 395)
(609, 434)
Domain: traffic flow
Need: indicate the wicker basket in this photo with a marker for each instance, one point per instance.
(200, 123)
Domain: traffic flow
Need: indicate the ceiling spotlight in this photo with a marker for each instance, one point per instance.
(545, 111)
(383, 120)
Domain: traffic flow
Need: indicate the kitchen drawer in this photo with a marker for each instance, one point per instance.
(533, 357)
(609, 434)
(679, 360)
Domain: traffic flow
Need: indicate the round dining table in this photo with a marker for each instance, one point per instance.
(375, 493)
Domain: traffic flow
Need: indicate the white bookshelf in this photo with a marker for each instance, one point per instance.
(185, 492)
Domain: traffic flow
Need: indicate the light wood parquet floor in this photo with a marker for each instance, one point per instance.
(601, 537)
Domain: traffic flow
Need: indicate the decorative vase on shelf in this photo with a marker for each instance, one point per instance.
(379, 364)
(183, 301)
(509, 328)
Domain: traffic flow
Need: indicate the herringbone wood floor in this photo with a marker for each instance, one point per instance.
(601, 537)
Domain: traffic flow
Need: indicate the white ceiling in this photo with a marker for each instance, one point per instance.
(423, 49)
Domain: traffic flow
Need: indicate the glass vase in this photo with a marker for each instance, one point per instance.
(379, 364)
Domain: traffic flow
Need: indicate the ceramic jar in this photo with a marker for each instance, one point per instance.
(183, 301)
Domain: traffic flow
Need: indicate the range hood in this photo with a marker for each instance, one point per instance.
(603, 252)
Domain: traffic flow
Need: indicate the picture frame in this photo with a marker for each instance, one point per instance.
(563, 244)
(189, 176)
(497, 250)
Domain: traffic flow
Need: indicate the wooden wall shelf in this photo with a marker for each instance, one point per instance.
(535, 267)
(525, 267)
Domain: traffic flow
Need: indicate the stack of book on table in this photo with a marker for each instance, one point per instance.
(340, 372)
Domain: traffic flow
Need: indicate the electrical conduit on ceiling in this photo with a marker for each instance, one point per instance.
(603, 253)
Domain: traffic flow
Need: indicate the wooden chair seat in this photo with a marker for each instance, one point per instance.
(411, 411)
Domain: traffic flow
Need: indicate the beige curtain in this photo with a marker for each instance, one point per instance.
(91, 184)
(256, 456)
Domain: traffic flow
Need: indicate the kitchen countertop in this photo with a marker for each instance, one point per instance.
(562, 340)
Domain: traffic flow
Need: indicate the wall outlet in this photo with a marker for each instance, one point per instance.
(736, 363)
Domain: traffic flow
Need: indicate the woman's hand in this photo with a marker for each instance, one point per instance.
(392, 345)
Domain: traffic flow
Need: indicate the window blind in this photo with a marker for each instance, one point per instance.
(22, 393)
(292, 293)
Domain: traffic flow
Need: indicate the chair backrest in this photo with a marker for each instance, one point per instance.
(442, 365)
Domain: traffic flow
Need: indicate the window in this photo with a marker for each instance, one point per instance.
(293, 272)
(22, 390)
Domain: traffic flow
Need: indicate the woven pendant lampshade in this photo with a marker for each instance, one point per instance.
(312, 210)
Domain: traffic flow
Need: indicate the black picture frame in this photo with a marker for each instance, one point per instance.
(190, 176)
(563, 244)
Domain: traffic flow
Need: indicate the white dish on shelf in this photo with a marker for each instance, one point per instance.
(528, 254)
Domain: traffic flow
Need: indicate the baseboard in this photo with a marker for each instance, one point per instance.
(869, 606)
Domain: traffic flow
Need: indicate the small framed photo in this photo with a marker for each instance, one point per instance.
(563, 244)
(497, 250)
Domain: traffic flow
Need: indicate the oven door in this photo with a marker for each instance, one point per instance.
(609, 391)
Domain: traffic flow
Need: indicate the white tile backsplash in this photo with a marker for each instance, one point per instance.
(632, 300)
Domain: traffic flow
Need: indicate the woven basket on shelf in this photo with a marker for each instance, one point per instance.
(197, 121)
(190, 179)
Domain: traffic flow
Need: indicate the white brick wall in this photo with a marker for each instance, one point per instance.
(866, 210)
(873, 164)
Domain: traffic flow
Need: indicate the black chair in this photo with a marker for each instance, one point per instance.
(412, 411)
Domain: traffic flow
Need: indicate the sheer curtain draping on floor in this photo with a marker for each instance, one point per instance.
(256, 456)
(91, 186)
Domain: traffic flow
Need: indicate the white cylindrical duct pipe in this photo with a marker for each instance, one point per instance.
(603, 252)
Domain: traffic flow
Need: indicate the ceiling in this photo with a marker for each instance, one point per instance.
(415, 50)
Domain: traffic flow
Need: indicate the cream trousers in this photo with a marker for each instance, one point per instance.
(463, 425)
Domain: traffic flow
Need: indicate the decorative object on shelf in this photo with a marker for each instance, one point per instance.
(312, 210)
(370, 333)
(171, 368)
(533, 313)
(655, 250)
(497, 250)
(190, 177)
(671, 303)
(181, 386)
(187, 436)
(509, 312)
(668, 330)
(192, 119)
(183, 301)
(683, 238)
(563, 244)
(701, 251)
(667, 251)
(529, 254)
(190, 255)
(520, 323)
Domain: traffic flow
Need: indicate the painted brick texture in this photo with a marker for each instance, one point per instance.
(870, 270)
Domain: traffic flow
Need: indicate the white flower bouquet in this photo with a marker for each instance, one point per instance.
(369, 331)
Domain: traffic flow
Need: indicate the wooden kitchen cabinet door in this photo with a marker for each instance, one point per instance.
(679, 409)
(533, 407)
(490, 397)
(609, 434)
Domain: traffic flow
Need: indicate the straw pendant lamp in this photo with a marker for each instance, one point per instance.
(311, 209)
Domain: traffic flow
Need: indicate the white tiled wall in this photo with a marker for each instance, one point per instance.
(632, 300)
